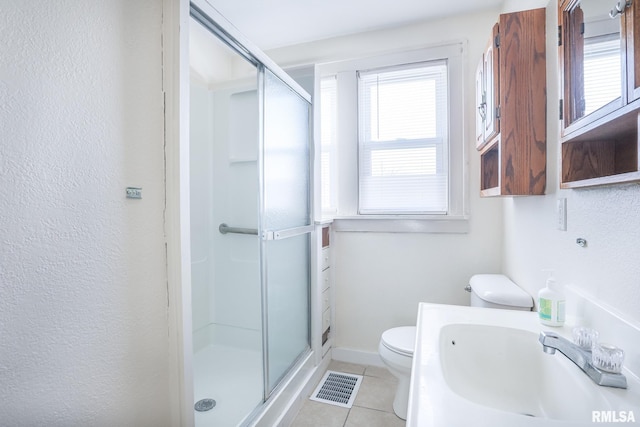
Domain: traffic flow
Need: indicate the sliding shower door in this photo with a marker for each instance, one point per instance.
(251, 224)
(228, 368)
(286, 227)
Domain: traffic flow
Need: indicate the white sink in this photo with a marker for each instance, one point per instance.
(471, 369)
(506, 369)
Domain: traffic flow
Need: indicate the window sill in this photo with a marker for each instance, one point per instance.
(402, 224)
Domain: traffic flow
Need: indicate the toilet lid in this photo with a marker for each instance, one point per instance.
(400, 340)
(499, 289)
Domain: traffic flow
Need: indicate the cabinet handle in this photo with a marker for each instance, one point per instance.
(482, 109)
(619, 9)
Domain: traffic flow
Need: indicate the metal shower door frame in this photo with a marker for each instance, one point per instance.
(205, 14)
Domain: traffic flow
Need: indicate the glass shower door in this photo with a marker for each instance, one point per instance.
(226, 264)
(286, 228)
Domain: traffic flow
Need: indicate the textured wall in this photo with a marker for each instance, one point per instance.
(83, 300)
(608, 268)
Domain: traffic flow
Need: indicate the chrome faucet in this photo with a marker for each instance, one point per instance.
(582, 358)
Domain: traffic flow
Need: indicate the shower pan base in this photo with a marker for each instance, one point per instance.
(234, 376)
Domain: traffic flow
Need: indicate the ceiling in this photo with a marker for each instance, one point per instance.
(276, 23)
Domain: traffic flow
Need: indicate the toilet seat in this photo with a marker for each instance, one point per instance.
(401, 340)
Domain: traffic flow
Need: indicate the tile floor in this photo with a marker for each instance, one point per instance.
(372, 407)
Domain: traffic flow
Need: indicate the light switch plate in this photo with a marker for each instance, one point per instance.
(561, 212)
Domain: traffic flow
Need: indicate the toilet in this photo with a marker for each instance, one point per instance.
(397, 344)
(396, 351)
(497, 291)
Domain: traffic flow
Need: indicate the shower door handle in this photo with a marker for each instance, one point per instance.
(288, 232)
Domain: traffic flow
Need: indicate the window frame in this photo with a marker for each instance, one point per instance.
(329, 149)
(368, 144)
(347, 218)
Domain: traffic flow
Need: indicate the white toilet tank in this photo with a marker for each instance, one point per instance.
(498, 291)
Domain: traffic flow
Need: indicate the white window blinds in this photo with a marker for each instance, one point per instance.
(601, 58)
(328, 146)
(403, 139)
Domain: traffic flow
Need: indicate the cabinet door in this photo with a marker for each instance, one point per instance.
(594, 61)
(481, 105)
(492, 86)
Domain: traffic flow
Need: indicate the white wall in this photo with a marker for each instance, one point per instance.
(83, 307)
(608, 268)
(381, 277)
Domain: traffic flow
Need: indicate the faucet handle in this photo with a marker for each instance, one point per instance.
(585, 337)
(608, 358)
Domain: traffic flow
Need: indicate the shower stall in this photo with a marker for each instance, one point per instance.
(251, 225)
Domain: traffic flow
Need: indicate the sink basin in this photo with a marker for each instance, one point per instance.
(506, 369)
(484, 367)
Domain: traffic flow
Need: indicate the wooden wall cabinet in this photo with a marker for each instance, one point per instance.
(513, 153)
(599, 59)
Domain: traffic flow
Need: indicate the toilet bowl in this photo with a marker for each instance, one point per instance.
(396, 351)
(397, 344)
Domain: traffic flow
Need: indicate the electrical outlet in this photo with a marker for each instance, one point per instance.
(561, 211)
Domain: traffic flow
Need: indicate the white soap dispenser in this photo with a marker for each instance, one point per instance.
(551, 304)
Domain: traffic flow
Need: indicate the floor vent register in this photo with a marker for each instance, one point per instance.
(337, 388)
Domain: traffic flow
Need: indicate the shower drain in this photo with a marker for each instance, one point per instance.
(204, 405)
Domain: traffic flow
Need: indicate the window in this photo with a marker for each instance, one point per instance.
(403, 139)
(328, 147)
(399, 155)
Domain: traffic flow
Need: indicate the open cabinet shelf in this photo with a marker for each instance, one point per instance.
(490, 169)
(603, 153)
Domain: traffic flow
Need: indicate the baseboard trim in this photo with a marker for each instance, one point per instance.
(356, 356)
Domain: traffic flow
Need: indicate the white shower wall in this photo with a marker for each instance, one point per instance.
(224, 189)
(201, 130)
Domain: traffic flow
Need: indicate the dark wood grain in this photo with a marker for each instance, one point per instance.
(601, 148)
(575, 46)
(325, 237)
(582, 160)
(586, 160)
(492, 63)
(490, 167)
(632, 25)
(523, 95)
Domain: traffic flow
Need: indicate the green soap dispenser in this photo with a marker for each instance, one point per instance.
(551, 303)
